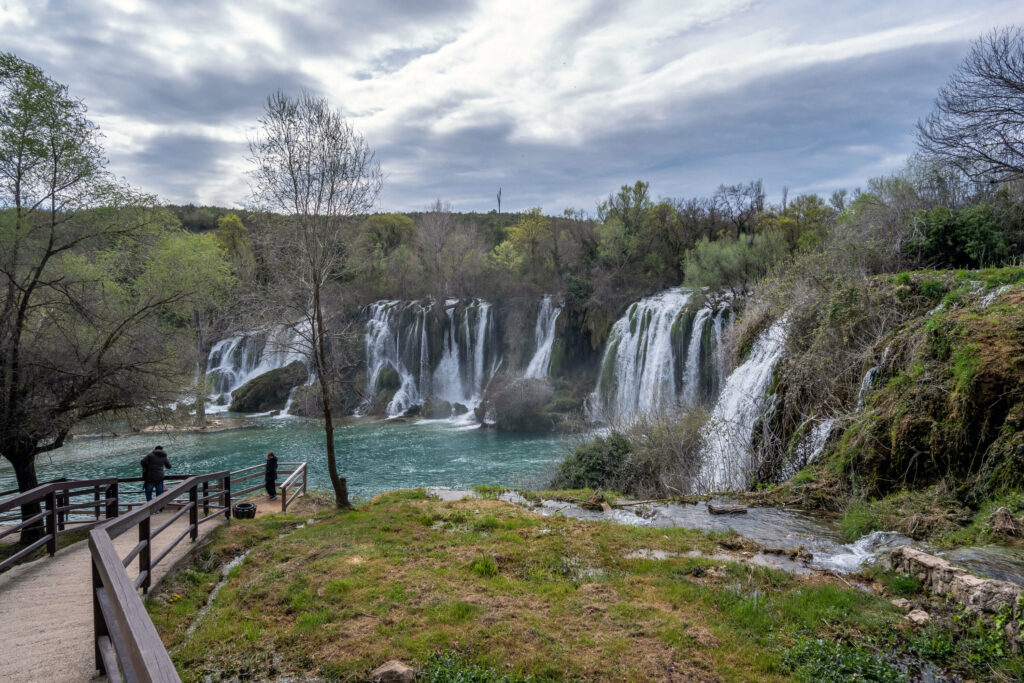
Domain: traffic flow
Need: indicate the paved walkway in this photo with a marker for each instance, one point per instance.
(46, 607)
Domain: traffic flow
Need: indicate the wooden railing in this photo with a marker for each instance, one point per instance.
(257, 472)
(59, 511)
(126, 639)
(127, 645)
(297, 479)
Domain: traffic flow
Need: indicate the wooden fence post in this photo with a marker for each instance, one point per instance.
(206, 500)
(51, 523)
(113, 503)
(227, 497)
(145, 555)
(193, 512)
(99, 626)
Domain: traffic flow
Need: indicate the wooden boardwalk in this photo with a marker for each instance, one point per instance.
(46, 607)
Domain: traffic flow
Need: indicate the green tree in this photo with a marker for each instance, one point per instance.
(81, 333)
(733, 265)
(201, 262)
(233, 236)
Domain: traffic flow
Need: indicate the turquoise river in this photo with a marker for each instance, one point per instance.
(376, 456)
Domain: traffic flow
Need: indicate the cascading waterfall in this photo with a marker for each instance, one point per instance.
(236, 360)
(869, 379)
(419, 353)
(728, 432)
(659, 356)
(544, 336)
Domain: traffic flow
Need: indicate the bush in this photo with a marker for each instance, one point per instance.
(593, 465)
(653, 456)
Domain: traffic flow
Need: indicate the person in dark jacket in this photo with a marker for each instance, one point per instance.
(271, 475)
(153, 466)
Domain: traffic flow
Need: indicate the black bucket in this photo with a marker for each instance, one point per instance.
(245, 510)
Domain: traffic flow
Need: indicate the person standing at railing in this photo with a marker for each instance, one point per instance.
(153, 466)
(270, 476)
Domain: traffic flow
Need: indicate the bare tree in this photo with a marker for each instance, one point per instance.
(314, 169)
(978, 122)
(435, 231)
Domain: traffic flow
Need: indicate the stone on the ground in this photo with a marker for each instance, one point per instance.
(901, 603)
(919, 617)
(393, 671)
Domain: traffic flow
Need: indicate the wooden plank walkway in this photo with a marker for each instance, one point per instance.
(46, 627)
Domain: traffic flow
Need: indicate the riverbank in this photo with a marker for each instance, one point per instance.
(484, 587)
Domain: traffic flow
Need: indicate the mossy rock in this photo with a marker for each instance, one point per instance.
(387, 379)
(269, 391)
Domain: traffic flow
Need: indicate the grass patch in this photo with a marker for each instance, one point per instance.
(490, 592)
(819, 660)
(490, 491)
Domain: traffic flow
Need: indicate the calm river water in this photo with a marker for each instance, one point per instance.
(376, 456)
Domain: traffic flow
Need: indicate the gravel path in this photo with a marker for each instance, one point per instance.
(46, 607)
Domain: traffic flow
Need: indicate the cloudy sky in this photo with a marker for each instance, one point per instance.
(558, 103)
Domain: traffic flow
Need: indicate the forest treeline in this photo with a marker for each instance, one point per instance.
(923, 216)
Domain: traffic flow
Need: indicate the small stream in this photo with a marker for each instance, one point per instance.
(788, 529)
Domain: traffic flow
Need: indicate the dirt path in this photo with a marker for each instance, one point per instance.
(46, 607)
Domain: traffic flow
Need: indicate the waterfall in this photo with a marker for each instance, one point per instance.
(691, 383)
(869, 379)
(420, 351)
(236, 360)
(812, 445)
(728, 432)
(544, 338)
(659, 356)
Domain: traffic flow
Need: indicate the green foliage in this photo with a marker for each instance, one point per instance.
(450, 667)
(804, 224)
(490, 491)
(817, 661)
(971, 237)
(734, 265)
(593, 465)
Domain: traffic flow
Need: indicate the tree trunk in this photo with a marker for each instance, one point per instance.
(25, 472)
(320, 353)
(200, 372)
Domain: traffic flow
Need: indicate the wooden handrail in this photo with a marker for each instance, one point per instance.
(126, 641)
(300, 471)
(52, 520)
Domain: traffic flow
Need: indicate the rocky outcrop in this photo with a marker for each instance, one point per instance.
(269, 391)
(985, 597)
(517, 405)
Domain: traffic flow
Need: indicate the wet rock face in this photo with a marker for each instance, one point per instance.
(269, 391)
(985, 597)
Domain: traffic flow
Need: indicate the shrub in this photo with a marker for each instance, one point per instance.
(593, 465)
